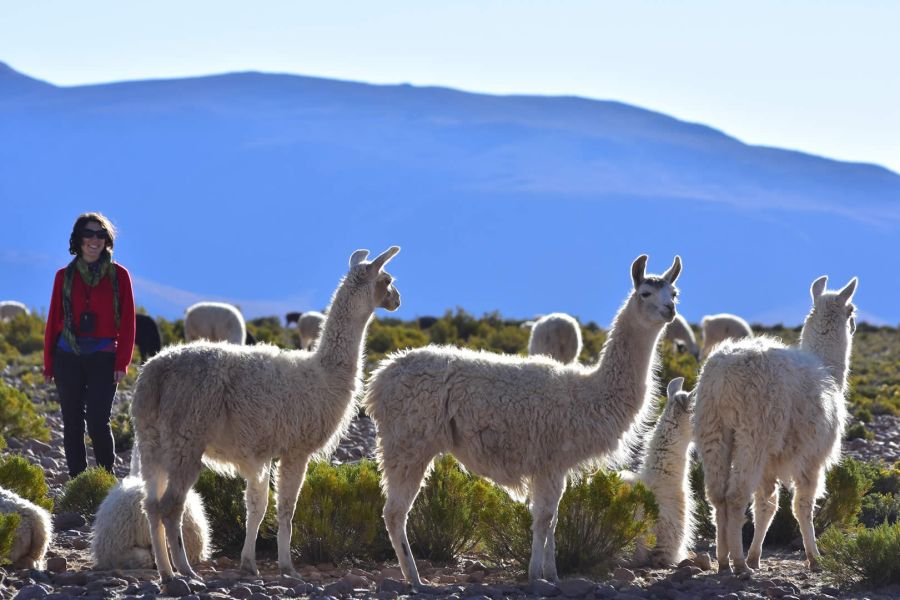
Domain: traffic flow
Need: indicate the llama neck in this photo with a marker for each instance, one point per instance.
(340, 345)
(831, 345)
(618, 385)
(666, 453)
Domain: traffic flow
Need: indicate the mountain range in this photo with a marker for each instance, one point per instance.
(255, 188)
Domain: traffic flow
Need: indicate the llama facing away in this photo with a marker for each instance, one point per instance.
(238, 407)
(32, 537)
(715, 329)
(10, 309)
(522, 422)
(214, 321)
(664, 470)
(121, 535)
(310, 325)
(681, 335)
(556, 335)
(767, 413)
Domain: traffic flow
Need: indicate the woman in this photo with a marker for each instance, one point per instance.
(89, 339)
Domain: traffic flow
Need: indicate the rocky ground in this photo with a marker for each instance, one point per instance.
(69, 570)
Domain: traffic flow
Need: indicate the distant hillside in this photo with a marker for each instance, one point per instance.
(256, 187)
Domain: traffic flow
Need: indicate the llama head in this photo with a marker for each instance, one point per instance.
(679, 401)
(833, 312)
(374, 287)
(655, 295)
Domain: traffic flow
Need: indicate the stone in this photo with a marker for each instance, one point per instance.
(623, 574)
(392, 585)
(703, 561)
(177, 587)
(67, 520)
(241, 592)
(57, 564)
(576, 588)
(31, 592)
(260, 596)
(542, 587)
(338, 588)
(70, 578)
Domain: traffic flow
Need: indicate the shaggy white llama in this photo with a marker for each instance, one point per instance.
(718, 328)
(664, 470)
(121, 535)
(522, 422)
(238, 407)
(556, 335)
(681, 335)
(310, 326)
(32, 536)
(10, 309)
(214, 321)
(767, 413)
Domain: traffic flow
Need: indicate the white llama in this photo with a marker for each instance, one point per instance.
(522, 422)
(766, 413)
(238, 407)
(32, 536)
(715, 329)
(214, 321)
(556, 335)
(310, 326)
(681, 335)
(664, 470)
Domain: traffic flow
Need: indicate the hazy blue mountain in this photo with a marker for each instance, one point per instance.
(256, 188)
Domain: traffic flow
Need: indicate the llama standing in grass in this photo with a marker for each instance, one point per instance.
(10, 309)
(664, 470)
(214, 321)
(310, 325)
(715, 329)
(767, 413)
(32, 536)
(681, 335)
(522, 422)
(556, 335)
(238, 407)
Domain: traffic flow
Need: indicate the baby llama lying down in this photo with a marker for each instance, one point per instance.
(664, 470)
(791, 435)
(32, 537)
(239, 407)
(556, 335)
(522, 422)
(121, 537)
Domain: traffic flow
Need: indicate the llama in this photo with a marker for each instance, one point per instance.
(556, 335)
(310, 326)
(522, 422)
(121, 538)
(238, 407)
(721, 327)
(32, 537)
(147, 336)
(214, 321)
(10, 309)
(664, 470)
(767, 413)
(681, 335)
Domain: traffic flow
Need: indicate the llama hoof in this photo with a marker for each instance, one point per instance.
(813, 565)
(753, 562)
(290, 572)
(249, 566)
(743, 573)
(724, 569)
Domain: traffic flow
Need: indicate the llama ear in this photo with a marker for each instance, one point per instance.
(382, 259)
(638, 268)
(674, 387)
(674, 271)
(846, 294)
(818, 287)
(357, 257)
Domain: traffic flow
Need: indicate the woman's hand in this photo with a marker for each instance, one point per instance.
(118, 376)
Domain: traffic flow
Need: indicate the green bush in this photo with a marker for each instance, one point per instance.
(8, 524)
(678, 364)
(25, 479)
(25, 334)
(18, 417)
(84, 493)
(704, 526)
(600, 517)
(122, 431)
(443, 522)
(860, 555)
(879, 508)
(845, 483)
(859, 431)
(223, 500)
(338, 514)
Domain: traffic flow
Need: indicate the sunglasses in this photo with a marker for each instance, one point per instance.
(101, 234)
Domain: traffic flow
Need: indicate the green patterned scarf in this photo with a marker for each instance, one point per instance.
(91, 274)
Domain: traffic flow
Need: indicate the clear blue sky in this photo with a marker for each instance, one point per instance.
(815, 75)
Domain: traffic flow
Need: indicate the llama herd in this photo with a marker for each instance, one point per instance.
(761, 414)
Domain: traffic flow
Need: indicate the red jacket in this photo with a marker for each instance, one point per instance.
(102, 305)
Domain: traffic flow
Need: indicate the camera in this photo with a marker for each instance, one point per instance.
(87, 322)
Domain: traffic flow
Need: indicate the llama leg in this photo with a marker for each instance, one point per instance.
(291, 473)
(256, 497)
(154, 486)
(804, 503)
(765, 503)
(403, 483)
(747, 473)
(715, 450)
(171, 507)
(544, 512)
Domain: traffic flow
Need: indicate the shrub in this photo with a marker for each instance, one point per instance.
(678, 364)
(18, 417)
(122, 431)
(858, 431)
(25, 479)
(84, 493)
(338, 514)
(25, 333)
(600, 517)
(846, 484)
(863, 415)
(879, 508)
(704, 526)
(862, 555)
(223, 499)
(8, 524)
(443, 522)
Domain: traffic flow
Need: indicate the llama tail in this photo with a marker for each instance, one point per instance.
(41, 532)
